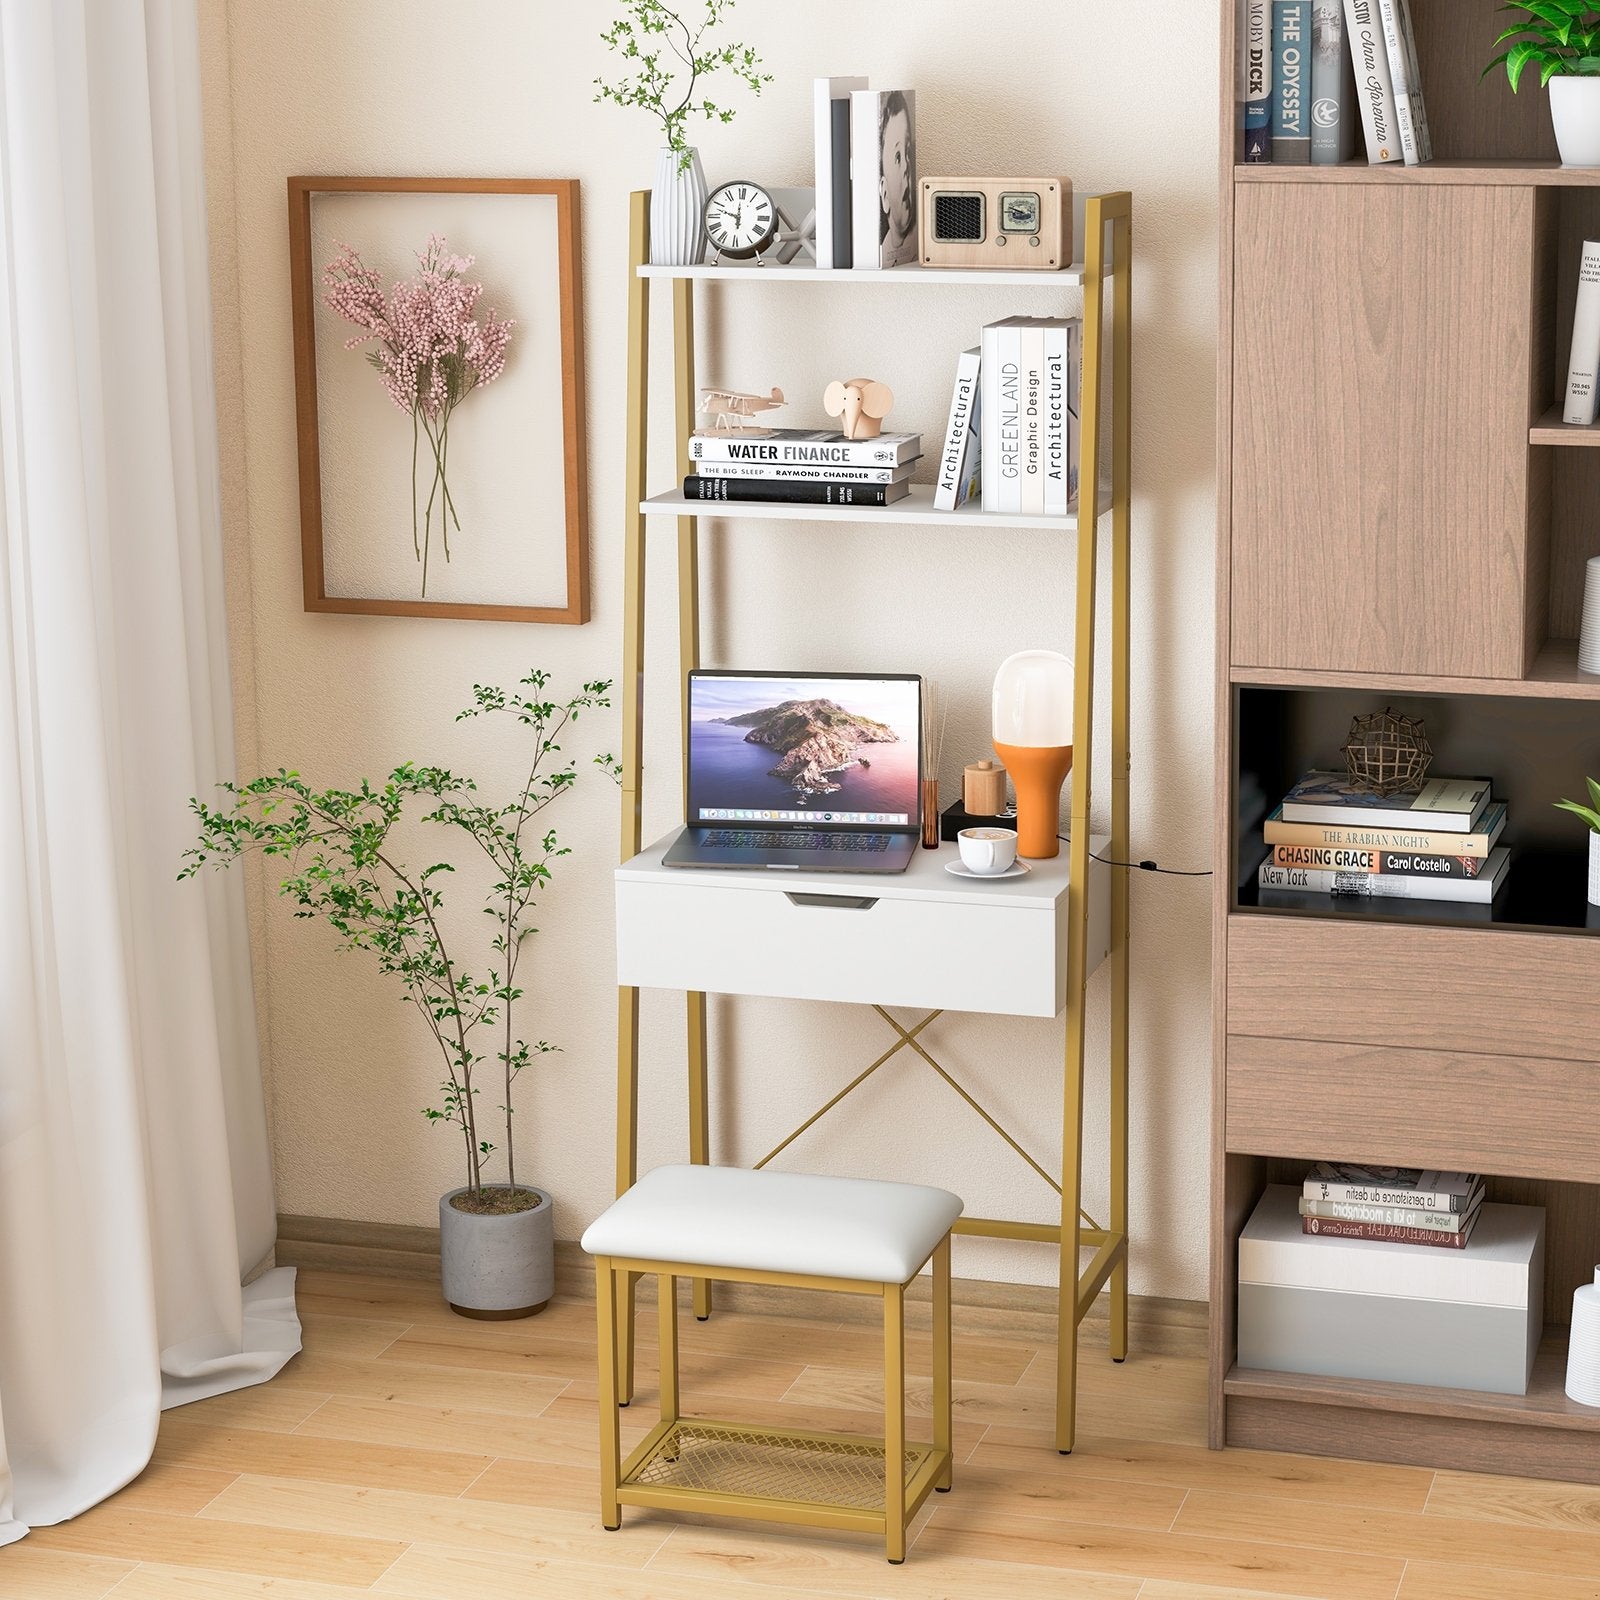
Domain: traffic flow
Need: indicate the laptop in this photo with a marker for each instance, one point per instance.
(803, 772)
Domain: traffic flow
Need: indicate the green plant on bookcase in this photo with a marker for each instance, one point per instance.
(1591, 815)
(1561, 38)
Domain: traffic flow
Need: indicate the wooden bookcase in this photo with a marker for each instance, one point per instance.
(1404, 520)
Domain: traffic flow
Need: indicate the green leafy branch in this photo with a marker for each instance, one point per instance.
(667, 59)
(341, 869)
(1560, 37)
(1590, 813)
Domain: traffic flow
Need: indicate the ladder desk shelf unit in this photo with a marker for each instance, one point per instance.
(1068, 915)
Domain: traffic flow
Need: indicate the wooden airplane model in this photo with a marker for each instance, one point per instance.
(731, 411)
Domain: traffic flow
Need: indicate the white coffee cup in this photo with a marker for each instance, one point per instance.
(988, 851)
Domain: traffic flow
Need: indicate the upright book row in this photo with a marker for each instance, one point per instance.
(1310, 70)
(865, 149)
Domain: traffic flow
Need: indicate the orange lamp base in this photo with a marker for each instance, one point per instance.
(1037, 773)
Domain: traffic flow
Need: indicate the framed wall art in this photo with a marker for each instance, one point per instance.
(438, 351)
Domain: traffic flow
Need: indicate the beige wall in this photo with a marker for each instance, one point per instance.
(502, 87)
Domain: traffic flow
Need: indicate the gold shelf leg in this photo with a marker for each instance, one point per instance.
(632, 731)
(605, 1294)
(1121, 760)
(943, 1438)
(688, 660)
(894, 1422)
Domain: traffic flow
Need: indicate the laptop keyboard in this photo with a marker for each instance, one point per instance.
(752, 839)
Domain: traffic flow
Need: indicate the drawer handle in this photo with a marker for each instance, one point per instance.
(837, 902)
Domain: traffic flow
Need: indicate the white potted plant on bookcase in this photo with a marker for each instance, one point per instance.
(1591, 815)
(1561, 38)
(497, 1241)
(668, 58)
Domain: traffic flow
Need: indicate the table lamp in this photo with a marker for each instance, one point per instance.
(1033, 695)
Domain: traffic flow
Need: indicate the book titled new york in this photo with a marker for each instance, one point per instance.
(1345, 858)
(1257, 44)
(1392, 885)
(1333, 108)
(807, 447)
(1391, 1216)
(1291, 72)
(1425, 1188)
(959, 460)
(1374, 83)
(1358, 834)
(790, 491)
(1384, 1234)
(1446, 805)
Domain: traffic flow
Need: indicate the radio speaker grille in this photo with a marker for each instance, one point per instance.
(958, 218)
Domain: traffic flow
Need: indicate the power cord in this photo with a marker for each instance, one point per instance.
(1140, 866)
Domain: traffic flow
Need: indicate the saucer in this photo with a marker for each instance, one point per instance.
(1017, 869)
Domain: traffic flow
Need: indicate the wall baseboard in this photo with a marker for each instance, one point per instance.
(1156, 1326)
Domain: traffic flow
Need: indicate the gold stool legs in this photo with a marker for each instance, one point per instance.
(943, 1399)
(894, 1422)
(605, 1294)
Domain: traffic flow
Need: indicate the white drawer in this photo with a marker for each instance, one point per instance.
(922, 938)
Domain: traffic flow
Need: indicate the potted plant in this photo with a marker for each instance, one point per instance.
(497, 1242)
(1591, 815)
(667, 61)
(1562, 39)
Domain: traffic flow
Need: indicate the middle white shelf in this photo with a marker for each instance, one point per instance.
(917, 507)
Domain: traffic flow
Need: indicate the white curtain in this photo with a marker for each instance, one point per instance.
(135, 1192)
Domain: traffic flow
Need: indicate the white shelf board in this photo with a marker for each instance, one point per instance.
(923, 277)
(916, 508)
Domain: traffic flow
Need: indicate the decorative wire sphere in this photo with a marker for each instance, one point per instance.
(1387, 753)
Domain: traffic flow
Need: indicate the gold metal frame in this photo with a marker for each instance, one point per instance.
(1108, 309)
(818, 1480)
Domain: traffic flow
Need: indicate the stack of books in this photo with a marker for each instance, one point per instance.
(1029, 374)
(1394, 1205)
(1441, 843)
(799, 466)
(1311, 71)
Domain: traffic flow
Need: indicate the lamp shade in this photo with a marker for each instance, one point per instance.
(1033, 694)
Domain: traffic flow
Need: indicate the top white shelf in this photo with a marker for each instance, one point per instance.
(921, 277)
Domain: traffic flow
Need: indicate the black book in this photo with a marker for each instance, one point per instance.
(794, 491)
(843, 254)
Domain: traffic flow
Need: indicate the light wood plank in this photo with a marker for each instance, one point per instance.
(325, 1555)
(167, 1486)
(390, 1422)
(1427, 1580)
(152, 1581)
(356, 1339)
(521, 1394)
(28, 1568)
(1525, 1501)
(273, 1407)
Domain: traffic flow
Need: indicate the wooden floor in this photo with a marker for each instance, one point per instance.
(409, 1453)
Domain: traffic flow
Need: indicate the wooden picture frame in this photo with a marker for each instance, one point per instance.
(305, 303)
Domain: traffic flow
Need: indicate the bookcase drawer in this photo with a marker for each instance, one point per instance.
(1530, 1117)
(1482, 991)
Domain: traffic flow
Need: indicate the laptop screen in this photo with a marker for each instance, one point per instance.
(788, 749)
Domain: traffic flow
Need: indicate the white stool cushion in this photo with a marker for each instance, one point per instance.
(776, 1222)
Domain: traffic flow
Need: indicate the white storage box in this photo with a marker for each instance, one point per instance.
(1399, 1313)
(922, 938)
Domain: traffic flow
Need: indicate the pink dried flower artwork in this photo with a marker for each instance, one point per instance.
(431, 350)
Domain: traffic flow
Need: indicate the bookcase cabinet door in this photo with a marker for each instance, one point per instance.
(1382, 500)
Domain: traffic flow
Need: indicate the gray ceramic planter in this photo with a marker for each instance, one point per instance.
(498, 1267)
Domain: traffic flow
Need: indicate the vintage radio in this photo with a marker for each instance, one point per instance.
(996, 222)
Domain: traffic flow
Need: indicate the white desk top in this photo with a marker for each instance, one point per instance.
(924, 879)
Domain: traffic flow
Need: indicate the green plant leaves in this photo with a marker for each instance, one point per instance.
(1561, 37)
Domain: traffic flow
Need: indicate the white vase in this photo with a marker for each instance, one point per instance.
(1583, 1352)
(1594, 869)
(677, 211)
(1575, 110)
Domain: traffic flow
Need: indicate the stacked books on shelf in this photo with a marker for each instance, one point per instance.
(1029, 377)
(1329, 836)
(802, 466)
(1311, 71)
(1391, 1205)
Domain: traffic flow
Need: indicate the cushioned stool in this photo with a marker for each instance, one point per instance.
(843, 1235)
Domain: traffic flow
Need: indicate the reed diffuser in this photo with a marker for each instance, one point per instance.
(933, 719)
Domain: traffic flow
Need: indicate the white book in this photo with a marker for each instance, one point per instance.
(1391, 885)
(827, 90)
(1411, 117)
(1061, 386)
(830, 474)
(883, 178)
(1031, 348)
(1002, 418)
(1583, 365)
(958, 460)
(1374, 82)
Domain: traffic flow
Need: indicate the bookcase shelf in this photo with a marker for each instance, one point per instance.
(916, 508)
(1555, 676)
(891, 277)
(1550, 429)
(1518, 173)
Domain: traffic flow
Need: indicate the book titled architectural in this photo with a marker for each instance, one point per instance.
(1410, 111)
(1422, 1188)
(1360, 834)
(1291, 82)
(1583, 366)
(1382, 1233)
(1391, 1216)
(766, 469)
(788, 491)
(1063, 384)
(1445, 805)
(1256, 35)
(807, 447)
(1333, 108)
(1374, 85)
(1347, 858)
(961, 458)
(830, 158)
(1392, 885)
(883, 177)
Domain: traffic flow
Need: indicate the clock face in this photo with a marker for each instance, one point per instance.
(741, 219)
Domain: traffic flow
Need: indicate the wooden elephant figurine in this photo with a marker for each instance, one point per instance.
(863, 403)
